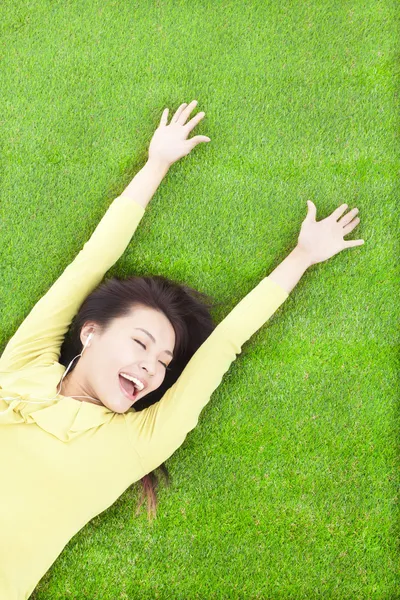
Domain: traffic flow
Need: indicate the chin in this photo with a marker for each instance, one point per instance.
(119, 408)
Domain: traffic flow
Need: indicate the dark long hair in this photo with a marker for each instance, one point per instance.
(188, 312)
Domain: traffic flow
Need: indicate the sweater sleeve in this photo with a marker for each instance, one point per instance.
(39, 338)
(160, 429)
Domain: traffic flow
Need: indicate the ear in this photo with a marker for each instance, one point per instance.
(86, 330)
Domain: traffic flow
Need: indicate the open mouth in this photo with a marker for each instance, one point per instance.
(128, 388)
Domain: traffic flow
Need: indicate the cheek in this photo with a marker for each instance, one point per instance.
(155, 382)
(105, 365)
(117, 356)
(161, 378)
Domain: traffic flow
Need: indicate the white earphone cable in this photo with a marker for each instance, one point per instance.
(60, 384)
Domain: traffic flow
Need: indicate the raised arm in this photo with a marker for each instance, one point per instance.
(38, 340)
(161, 428)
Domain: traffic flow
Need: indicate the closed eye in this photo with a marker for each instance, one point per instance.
(168, 368)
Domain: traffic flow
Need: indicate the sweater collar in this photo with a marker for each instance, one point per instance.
(65, 418)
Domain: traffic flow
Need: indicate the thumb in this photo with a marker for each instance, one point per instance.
(312, 210)
(198, 139)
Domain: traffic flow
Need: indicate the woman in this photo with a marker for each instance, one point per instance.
(72, 441)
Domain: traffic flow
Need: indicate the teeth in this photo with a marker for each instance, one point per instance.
(138, 383)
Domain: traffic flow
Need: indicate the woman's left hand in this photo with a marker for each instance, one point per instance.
(169, 142)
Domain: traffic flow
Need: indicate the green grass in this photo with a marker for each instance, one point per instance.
(288, 487)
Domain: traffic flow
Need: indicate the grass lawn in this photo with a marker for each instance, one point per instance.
(288, 487)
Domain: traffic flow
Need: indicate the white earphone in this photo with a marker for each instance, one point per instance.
(60, 384)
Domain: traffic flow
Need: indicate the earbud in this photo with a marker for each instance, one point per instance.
(88, 340)
(45, 400)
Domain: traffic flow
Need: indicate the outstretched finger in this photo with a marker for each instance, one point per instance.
(197, 139)
(193, 122)
(350, 226)
(345, 220)
(351, 243)
(339, 211)
(164, 117)
(178, 112)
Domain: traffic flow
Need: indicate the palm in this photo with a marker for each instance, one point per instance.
(323, 239)
(170, 142)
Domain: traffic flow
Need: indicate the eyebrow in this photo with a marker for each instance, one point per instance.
(152, 338)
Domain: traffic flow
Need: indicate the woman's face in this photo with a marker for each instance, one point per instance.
(123, 347)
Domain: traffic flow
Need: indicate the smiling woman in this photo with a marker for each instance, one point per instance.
(138, 323)
(68, 460)
(95, 376)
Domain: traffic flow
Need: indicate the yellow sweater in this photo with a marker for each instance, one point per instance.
(65, 461)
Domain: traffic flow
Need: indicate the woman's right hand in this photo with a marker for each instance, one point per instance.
(323, 239)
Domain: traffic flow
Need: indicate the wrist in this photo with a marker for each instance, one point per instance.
(302, 256)
(159, 166)
(146, 182)
(289, 272)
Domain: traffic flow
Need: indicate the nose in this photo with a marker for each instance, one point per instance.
(149, 371)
